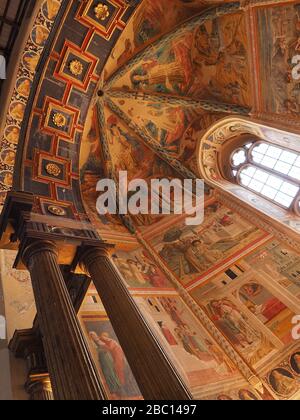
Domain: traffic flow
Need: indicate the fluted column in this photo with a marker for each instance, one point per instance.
(154, 372)
(72, 371)
(39, 387)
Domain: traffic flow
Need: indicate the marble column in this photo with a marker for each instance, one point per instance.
(152, 367)
(72, 371)
(39, 387)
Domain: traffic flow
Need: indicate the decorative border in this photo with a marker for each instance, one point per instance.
(114, 23)
(27, 67)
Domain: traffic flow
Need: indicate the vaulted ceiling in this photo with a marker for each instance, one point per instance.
(113, 84)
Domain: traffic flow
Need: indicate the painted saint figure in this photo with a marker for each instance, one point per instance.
(295, 363)
(114, 366)
(107, 364)
(283, 382)
(233, 323)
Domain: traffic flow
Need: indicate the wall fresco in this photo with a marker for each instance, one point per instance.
(139, 270)
(258, 295)
(279, 88)
(109, 357)
(192, 252)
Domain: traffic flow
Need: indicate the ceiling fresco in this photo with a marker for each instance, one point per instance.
(281, 26)
(176, 127)
(153, 18)
(203, 58)
(26, 72)
(163, 75)
(111, 85)
(65, 84)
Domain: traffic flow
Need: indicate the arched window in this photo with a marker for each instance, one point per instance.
(270, 171)
(256, 164)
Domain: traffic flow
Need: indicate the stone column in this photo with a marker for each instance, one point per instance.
(152, 367)
(39, 387)
(72, 371)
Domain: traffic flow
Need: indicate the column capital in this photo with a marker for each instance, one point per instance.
(36, 247)
(64, 343)
(87, 255)
(39, 387)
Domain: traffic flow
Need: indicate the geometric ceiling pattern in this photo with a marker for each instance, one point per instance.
(65, 68)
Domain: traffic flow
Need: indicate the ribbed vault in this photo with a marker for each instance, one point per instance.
(152, 109)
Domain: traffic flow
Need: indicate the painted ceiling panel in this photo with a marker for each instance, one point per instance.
(152, 18)
(93, 167)
(166, 124)
(177, 58)
(126, 151)
(205, 59)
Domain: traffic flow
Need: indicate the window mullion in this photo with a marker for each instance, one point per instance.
(274, 172)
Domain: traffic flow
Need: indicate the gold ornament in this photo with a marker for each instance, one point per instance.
(76, 68)
(101, 11)
(53, 169)
(59, 120)
(57, 211)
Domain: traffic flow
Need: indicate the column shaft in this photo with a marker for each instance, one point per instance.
(39, 388)
(155, 373)
(72, 371)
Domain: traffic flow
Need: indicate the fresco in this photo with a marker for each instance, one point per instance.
(23, 86)
(280, 263)
(20, 309)
(177, 128)
(139, 270)
(110, 359)
(50, 9)
(269, 309)
(92, 169)
(278, 83)
(254, 301)
(295, 363)
(245, 393)
(284, 379)
(198, 357)
(209, 62)
(164, 123)
(39, 35)
(127, 152)
(256, 296)
(152, 18)
(192, 252)
(239, 329)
